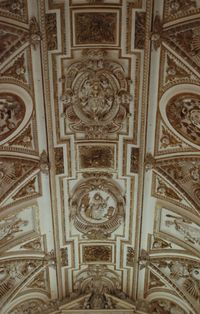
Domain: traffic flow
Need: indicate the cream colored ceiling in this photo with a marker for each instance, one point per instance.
(99, 156)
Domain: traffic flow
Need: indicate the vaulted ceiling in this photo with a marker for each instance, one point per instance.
(99, 156)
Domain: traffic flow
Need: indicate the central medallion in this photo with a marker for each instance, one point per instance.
(95, 98)
(97, 206)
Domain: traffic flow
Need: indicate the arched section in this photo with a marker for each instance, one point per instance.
(179, 110)
(166, 298)
(34, 298)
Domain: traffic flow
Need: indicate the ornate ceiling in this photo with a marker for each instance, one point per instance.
(99, 156)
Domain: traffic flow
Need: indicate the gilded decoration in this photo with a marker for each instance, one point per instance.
(183, 112)
(95, 98)
(12, 112)
(98, 253)
(97, 207)
(95, 28)
(94, 156)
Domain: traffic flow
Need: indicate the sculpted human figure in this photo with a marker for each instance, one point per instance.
(97, 207)
(183, 226)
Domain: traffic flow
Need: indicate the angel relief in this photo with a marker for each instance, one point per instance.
(98, 206)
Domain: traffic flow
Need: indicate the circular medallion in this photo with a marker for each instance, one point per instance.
(97, 206)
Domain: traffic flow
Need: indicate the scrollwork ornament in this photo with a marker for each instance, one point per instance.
(96, 97)
(97, 207)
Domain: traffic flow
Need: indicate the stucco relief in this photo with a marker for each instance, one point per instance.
(181, 228)
(165, 306)
(16, 226)
(97, 206)
(14, 272)
(12, 112)
(98, 283)
(95, 97)
(34, 306)
(184, 272)
(183, 112)
(12, 172)
(98, 28)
